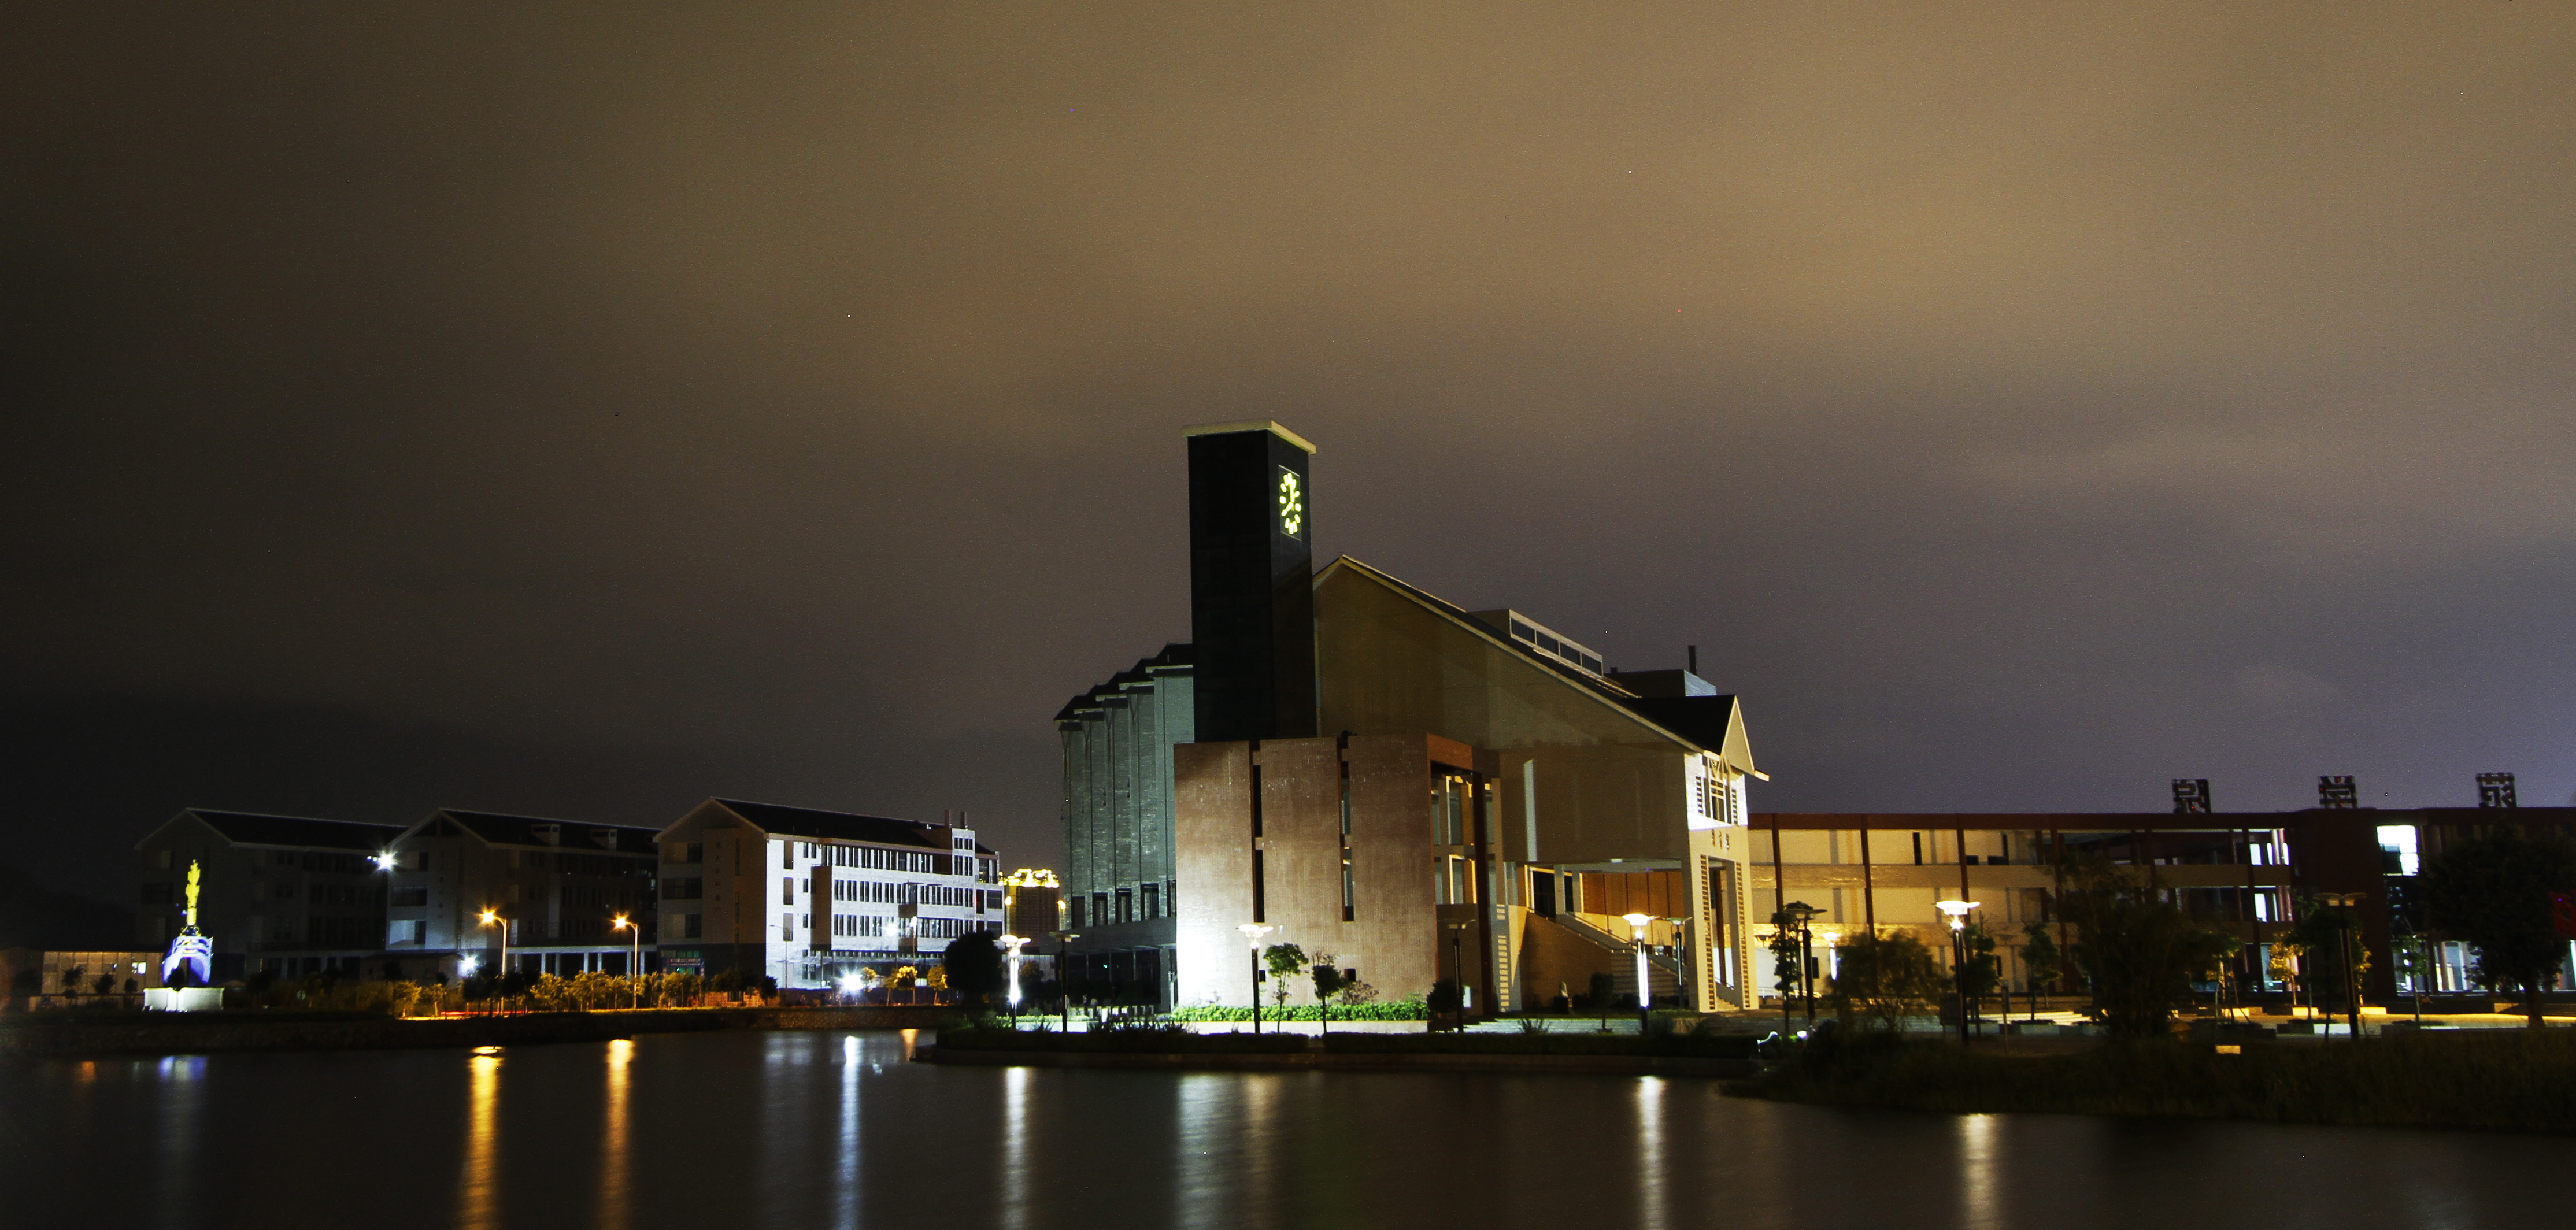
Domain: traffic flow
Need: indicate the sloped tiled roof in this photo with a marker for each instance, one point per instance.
(251, 828)
(780, 820)
(506, 830)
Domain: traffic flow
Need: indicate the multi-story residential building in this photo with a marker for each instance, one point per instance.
(809, 897)
(559, 887)
(283, 895)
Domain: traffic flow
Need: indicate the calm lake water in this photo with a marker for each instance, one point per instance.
(832, 1130)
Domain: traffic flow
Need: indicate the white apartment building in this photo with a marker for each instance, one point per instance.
(808, 896)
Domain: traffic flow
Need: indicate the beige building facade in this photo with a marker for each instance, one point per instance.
(1486, 811)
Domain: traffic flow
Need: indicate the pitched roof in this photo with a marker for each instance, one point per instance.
(781, 820)
(506, 830)
(251, 828)
(1712, 727)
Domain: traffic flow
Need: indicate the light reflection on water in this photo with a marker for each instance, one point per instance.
(614, 1181)
(828, 1129)
(478, 1188)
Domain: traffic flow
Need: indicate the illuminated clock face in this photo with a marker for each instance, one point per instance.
(1292, 503)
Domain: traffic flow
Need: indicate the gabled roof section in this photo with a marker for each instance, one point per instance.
(1715, 723)
(501, 829)
(1709, 731)
(779, 820)
(253, 829)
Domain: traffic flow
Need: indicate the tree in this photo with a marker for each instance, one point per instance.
(2141, 954)
(2325, 934)
(2283, 965)
(1984, 970)
(1286, 961)
(1599, 988)
(1885, 978)
(2494, 892)
(1327, 978)
(2041, 956)
(974, 965)
(1788, 958)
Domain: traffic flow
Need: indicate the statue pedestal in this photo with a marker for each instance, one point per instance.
(184, 999)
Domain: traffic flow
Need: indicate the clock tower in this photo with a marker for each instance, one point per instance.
(1252, 595)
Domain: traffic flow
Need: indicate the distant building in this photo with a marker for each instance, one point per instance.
(2239, 872)
(283, 895)
(808, 897)
(1032, 903)
(40, 978)
(558, 886)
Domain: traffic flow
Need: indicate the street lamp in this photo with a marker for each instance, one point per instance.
(1064, 973)
(2343, 951)
(1457, 967)
(1637, 928)
(634, 962)
(1803, 914)
(1957, 912)
(385, 863)
(492, 918)
(1013, 943)
(1252, 933)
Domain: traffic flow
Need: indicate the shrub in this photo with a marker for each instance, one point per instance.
(1881, 979)
(1413, 1009)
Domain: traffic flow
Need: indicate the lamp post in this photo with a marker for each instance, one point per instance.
(1458, 974)
(1804, 914)
(634, 962)
(1013, 942)
(1252, 933)
(385, 863)
(1637, 933)
(1957, 913)
(2343, 952)
(1064, 973)
(492, 918)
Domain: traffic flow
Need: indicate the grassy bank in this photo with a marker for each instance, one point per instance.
(2497, 1079)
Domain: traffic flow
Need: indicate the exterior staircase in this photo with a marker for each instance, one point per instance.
(1663, 971)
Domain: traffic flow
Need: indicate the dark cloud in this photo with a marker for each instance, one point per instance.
(2020, 405)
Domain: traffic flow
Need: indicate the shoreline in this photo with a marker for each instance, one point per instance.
(1341, 1061)
(32, 1037)
(2478, 1080)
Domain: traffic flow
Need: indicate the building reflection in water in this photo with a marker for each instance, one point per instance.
(181, 1097)
(478, 1189)
(845, 1172)
(613, 1173)
(1653, 1198)
(1979, 1143)
(1205, 1157)
(1015, 1148)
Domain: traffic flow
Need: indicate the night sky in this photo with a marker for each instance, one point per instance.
(583, 412)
